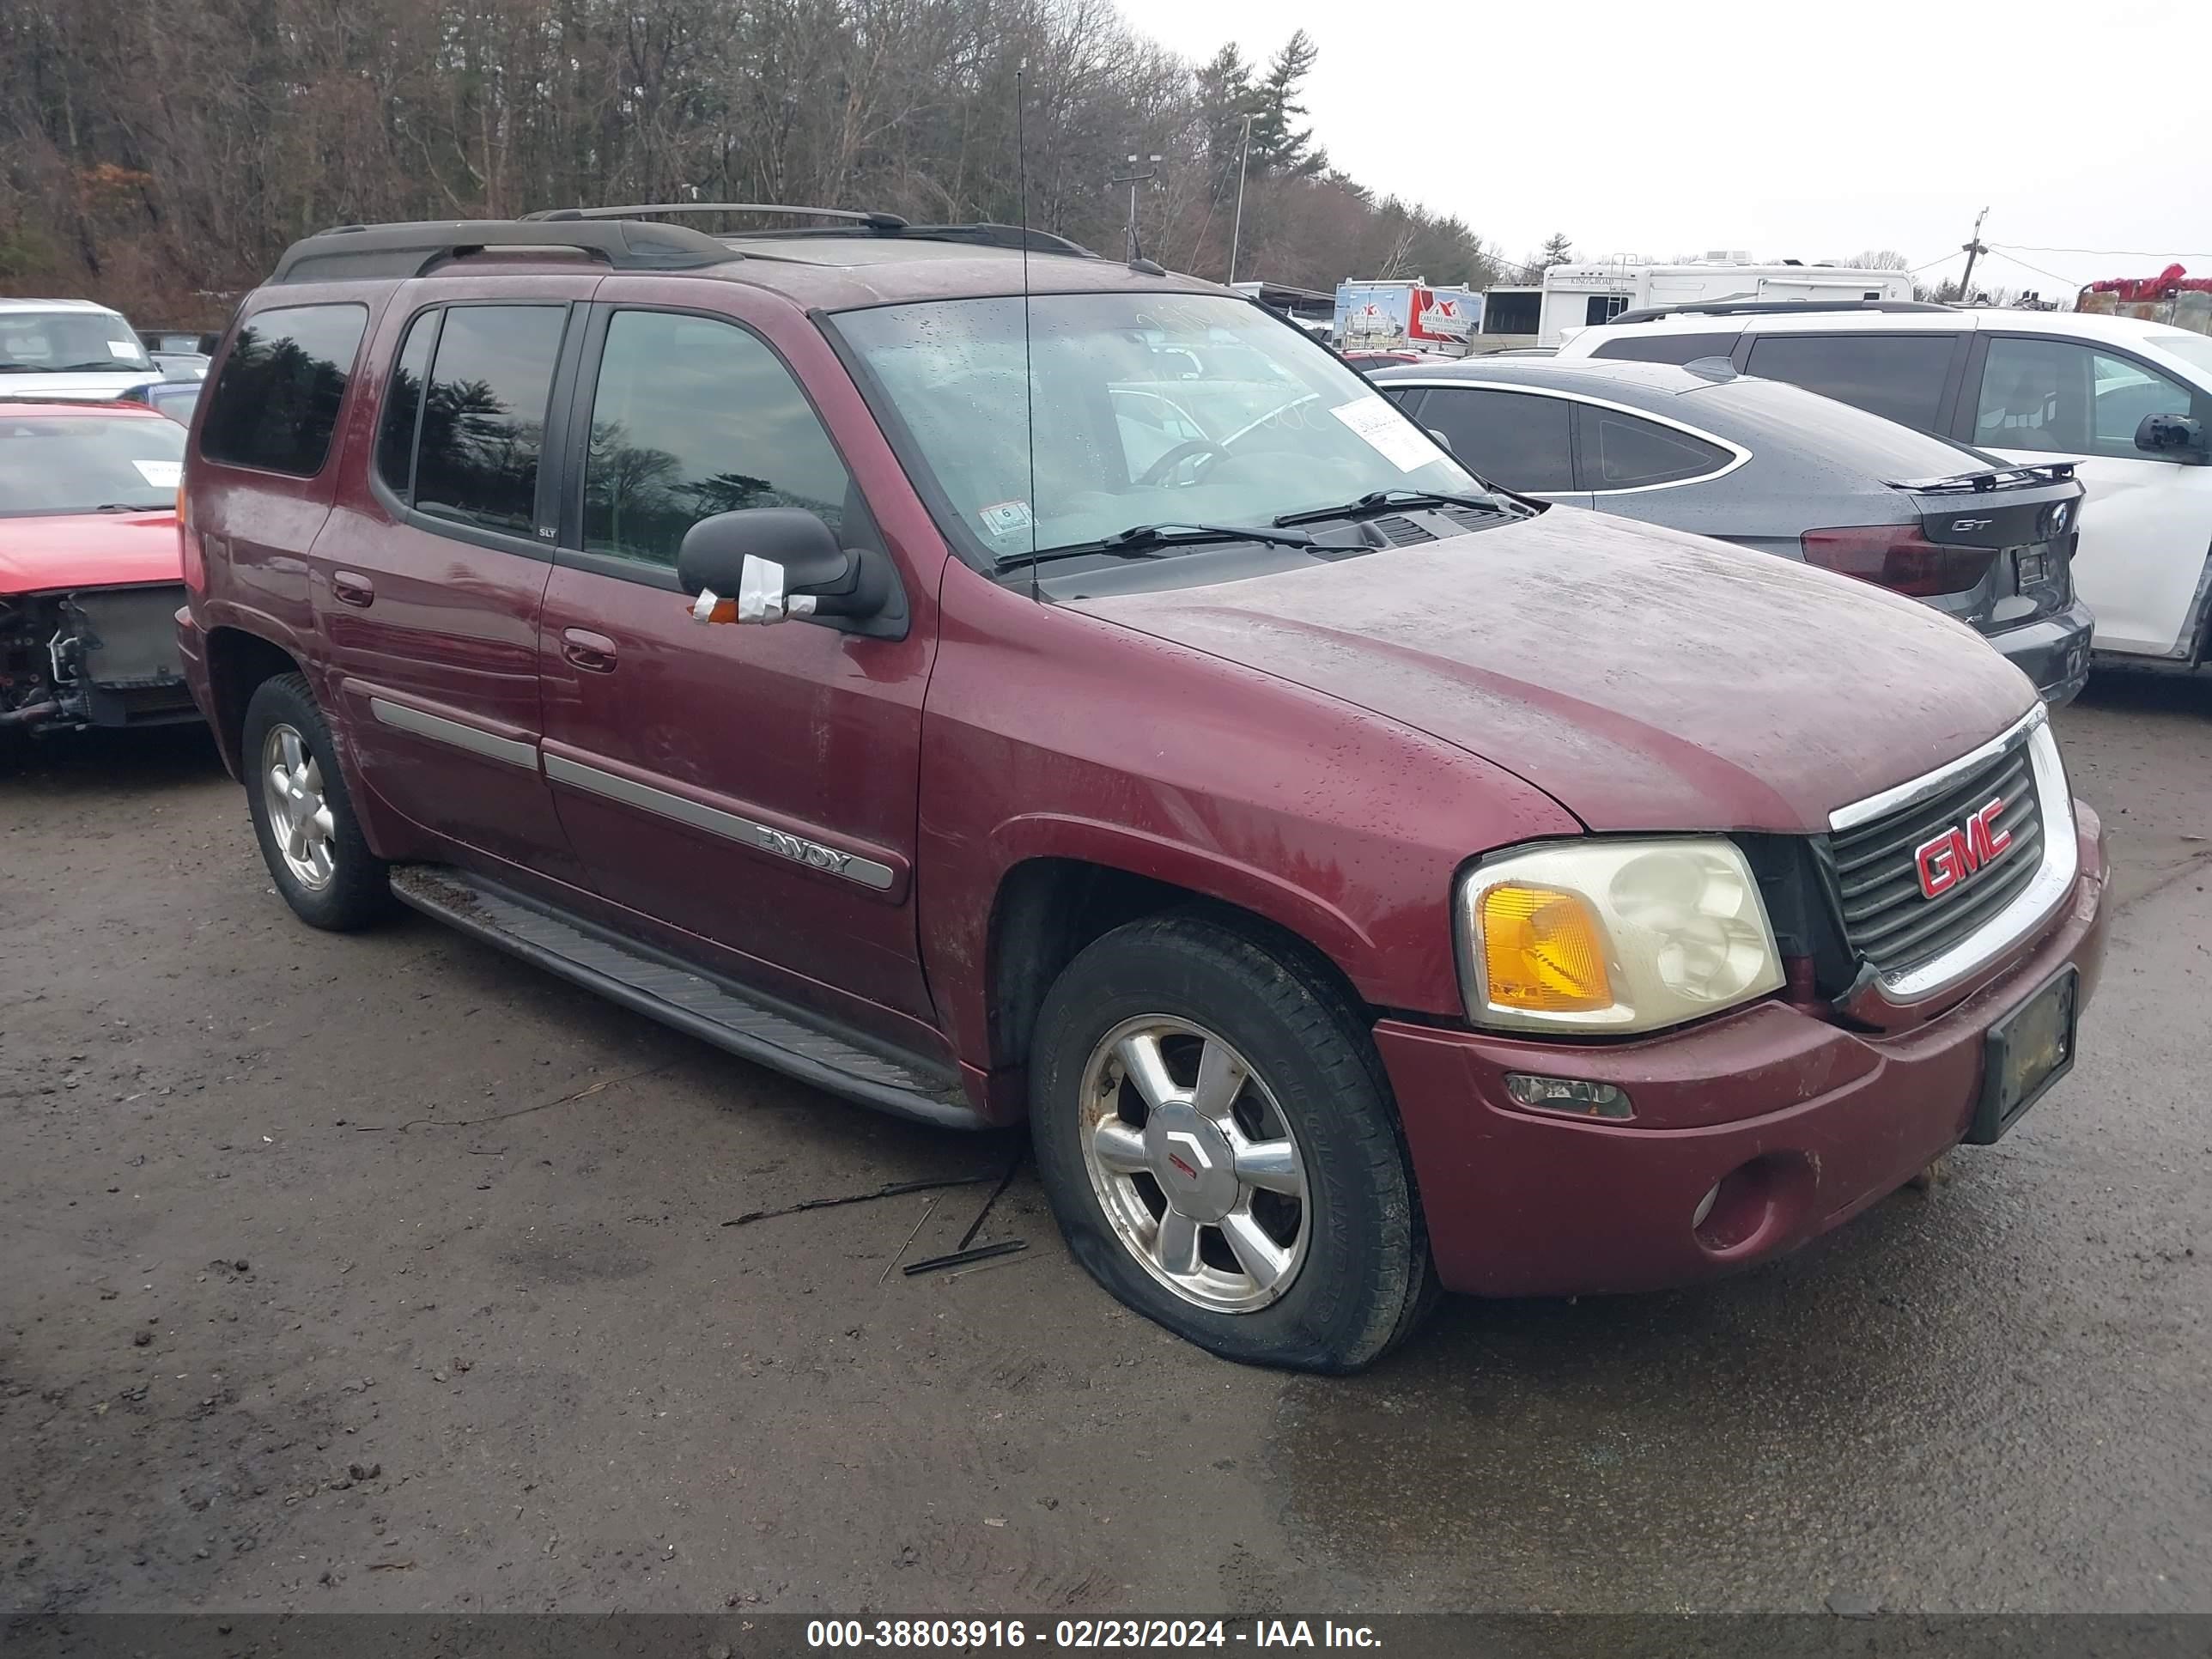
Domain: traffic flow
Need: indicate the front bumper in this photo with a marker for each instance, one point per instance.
(2053, 652)
(1820, 1120)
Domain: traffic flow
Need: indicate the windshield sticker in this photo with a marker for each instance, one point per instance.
(126, 349)
(1389, 433)
(1004, 519)
(163, 475)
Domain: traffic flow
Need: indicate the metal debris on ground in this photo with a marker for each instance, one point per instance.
(962, 1258)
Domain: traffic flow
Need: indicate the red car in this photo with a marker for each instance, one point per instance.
(91, 580)
(1361, 879)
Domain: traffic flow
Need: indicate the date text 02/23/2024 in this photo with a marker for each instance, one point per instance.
(1085, 1634)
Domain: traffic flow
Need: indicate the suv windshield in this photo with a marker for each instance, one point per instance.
(1149, 408)
(88, 464)
(68, 342)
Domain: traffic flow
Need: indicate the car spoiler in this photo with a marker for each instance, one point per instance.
(1996, 477)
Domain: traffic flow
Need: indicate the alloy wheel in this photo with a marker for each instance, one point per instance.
(299, 813)
(1195, 1163)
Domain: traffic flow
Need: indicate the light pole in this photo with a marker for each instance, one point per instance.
(1132, 179)
(1236, 229)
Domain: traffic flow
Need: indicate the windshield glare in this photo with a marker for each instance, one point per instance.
(83, 462)
(1149, 408)
(57, 342)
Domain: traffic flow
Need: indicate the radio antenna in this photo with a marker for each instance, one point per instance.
(1029, 383)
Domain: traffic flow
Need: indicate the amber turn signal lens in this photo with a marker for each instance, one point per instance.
(1542, 951)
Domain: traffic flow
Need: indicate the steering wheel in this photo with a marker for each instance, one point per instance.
(1160, 470)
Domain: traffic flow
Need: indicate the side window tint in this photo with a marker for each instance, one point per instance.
(1622, 453)
(1408, 397)
(276, 403)
(1666, 347)
(403, 402)
(1511, 438)
(2059, 396)
(1898, 376)
(483, 417)
(692, 417)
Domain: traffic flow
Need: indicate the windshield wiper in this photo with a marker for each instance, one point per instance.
(129, 507)
(103, 364)
(1383, 501)
(1143, 541)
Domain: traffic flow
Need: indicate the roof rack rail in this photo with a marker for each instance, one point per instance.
(410, 249)
(1768, 308)
(885, 221)
(854, 222)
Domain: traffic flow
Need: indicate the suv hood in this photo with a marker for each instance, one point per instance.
(1643, 678)
(88, 549)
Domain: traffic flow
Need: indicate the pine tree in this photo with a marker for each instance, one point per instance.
(1556, 252)
(1279, 146)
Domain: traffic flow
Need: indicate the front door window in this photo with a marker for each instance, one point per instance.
(694, 417)
(2068, 399)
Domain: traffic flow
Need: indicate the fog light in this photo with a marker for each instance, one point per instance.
(1568, 1094)
(1704, 1206)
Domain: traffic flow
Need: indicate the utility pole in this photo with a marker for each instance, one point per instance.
(1236, 229)
(1972, 249)
(1132, 179)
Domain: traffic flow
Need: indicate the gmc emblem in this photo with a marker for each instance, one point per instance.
(1945, 861)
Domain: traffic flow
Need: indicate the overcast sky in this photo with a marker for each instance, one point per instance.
(1801, 131)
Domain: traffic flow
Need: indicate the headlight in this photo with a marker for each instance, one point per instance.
(1613, 936)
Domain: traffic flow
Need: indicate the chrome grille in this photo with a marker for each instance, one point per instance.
(1887, 918)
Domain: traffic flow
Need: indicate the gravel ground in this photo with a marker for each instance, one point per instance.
(387, 1274)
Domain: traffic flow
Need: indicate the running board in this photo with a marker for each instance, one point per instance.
(711, 1010)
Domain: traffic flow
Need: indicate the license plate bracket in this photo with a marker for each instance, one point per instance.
(2025, 1052)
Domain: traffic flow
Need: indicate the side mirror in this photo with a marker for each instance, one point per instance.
(1443, 442)
(2159, 433)
(781, 562)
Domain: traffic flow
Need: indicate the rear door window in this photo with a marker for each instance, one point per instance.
(1666, 347)
(276, 403)
(691, 417)
(484, 417)
(1623, 452)
(1516, 438)
(1898, 376)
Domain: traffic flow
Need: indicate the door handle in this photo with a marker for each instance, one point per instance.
(353, 590)
(592, 652)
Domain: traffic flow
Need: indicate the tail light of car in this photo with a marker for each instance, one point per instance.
(1899, 557)
(188, 545)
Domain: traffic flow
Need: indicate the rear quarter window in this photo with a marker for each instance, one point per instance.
(1900, 377)
(276, 403)
(1622, 451)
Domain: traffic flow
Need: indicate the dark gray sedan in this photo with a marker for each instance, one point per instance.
(1773, 467)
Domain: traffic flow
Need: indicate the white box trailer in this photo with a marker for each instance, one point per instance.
(1386, 315)
(1579, 296)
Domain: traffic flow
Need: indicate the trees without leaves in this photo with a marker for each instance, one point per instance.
(159, 157)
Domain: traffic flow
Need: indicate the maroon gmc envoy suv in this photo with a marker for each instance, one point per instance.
(991, 682)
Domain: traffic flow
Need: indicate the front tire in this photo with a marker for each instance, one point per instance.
(302, 814)
(1215, 1134)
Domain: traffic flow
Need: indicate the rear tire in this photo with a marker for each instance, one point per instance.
(302, 814)
(1215, 1136)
